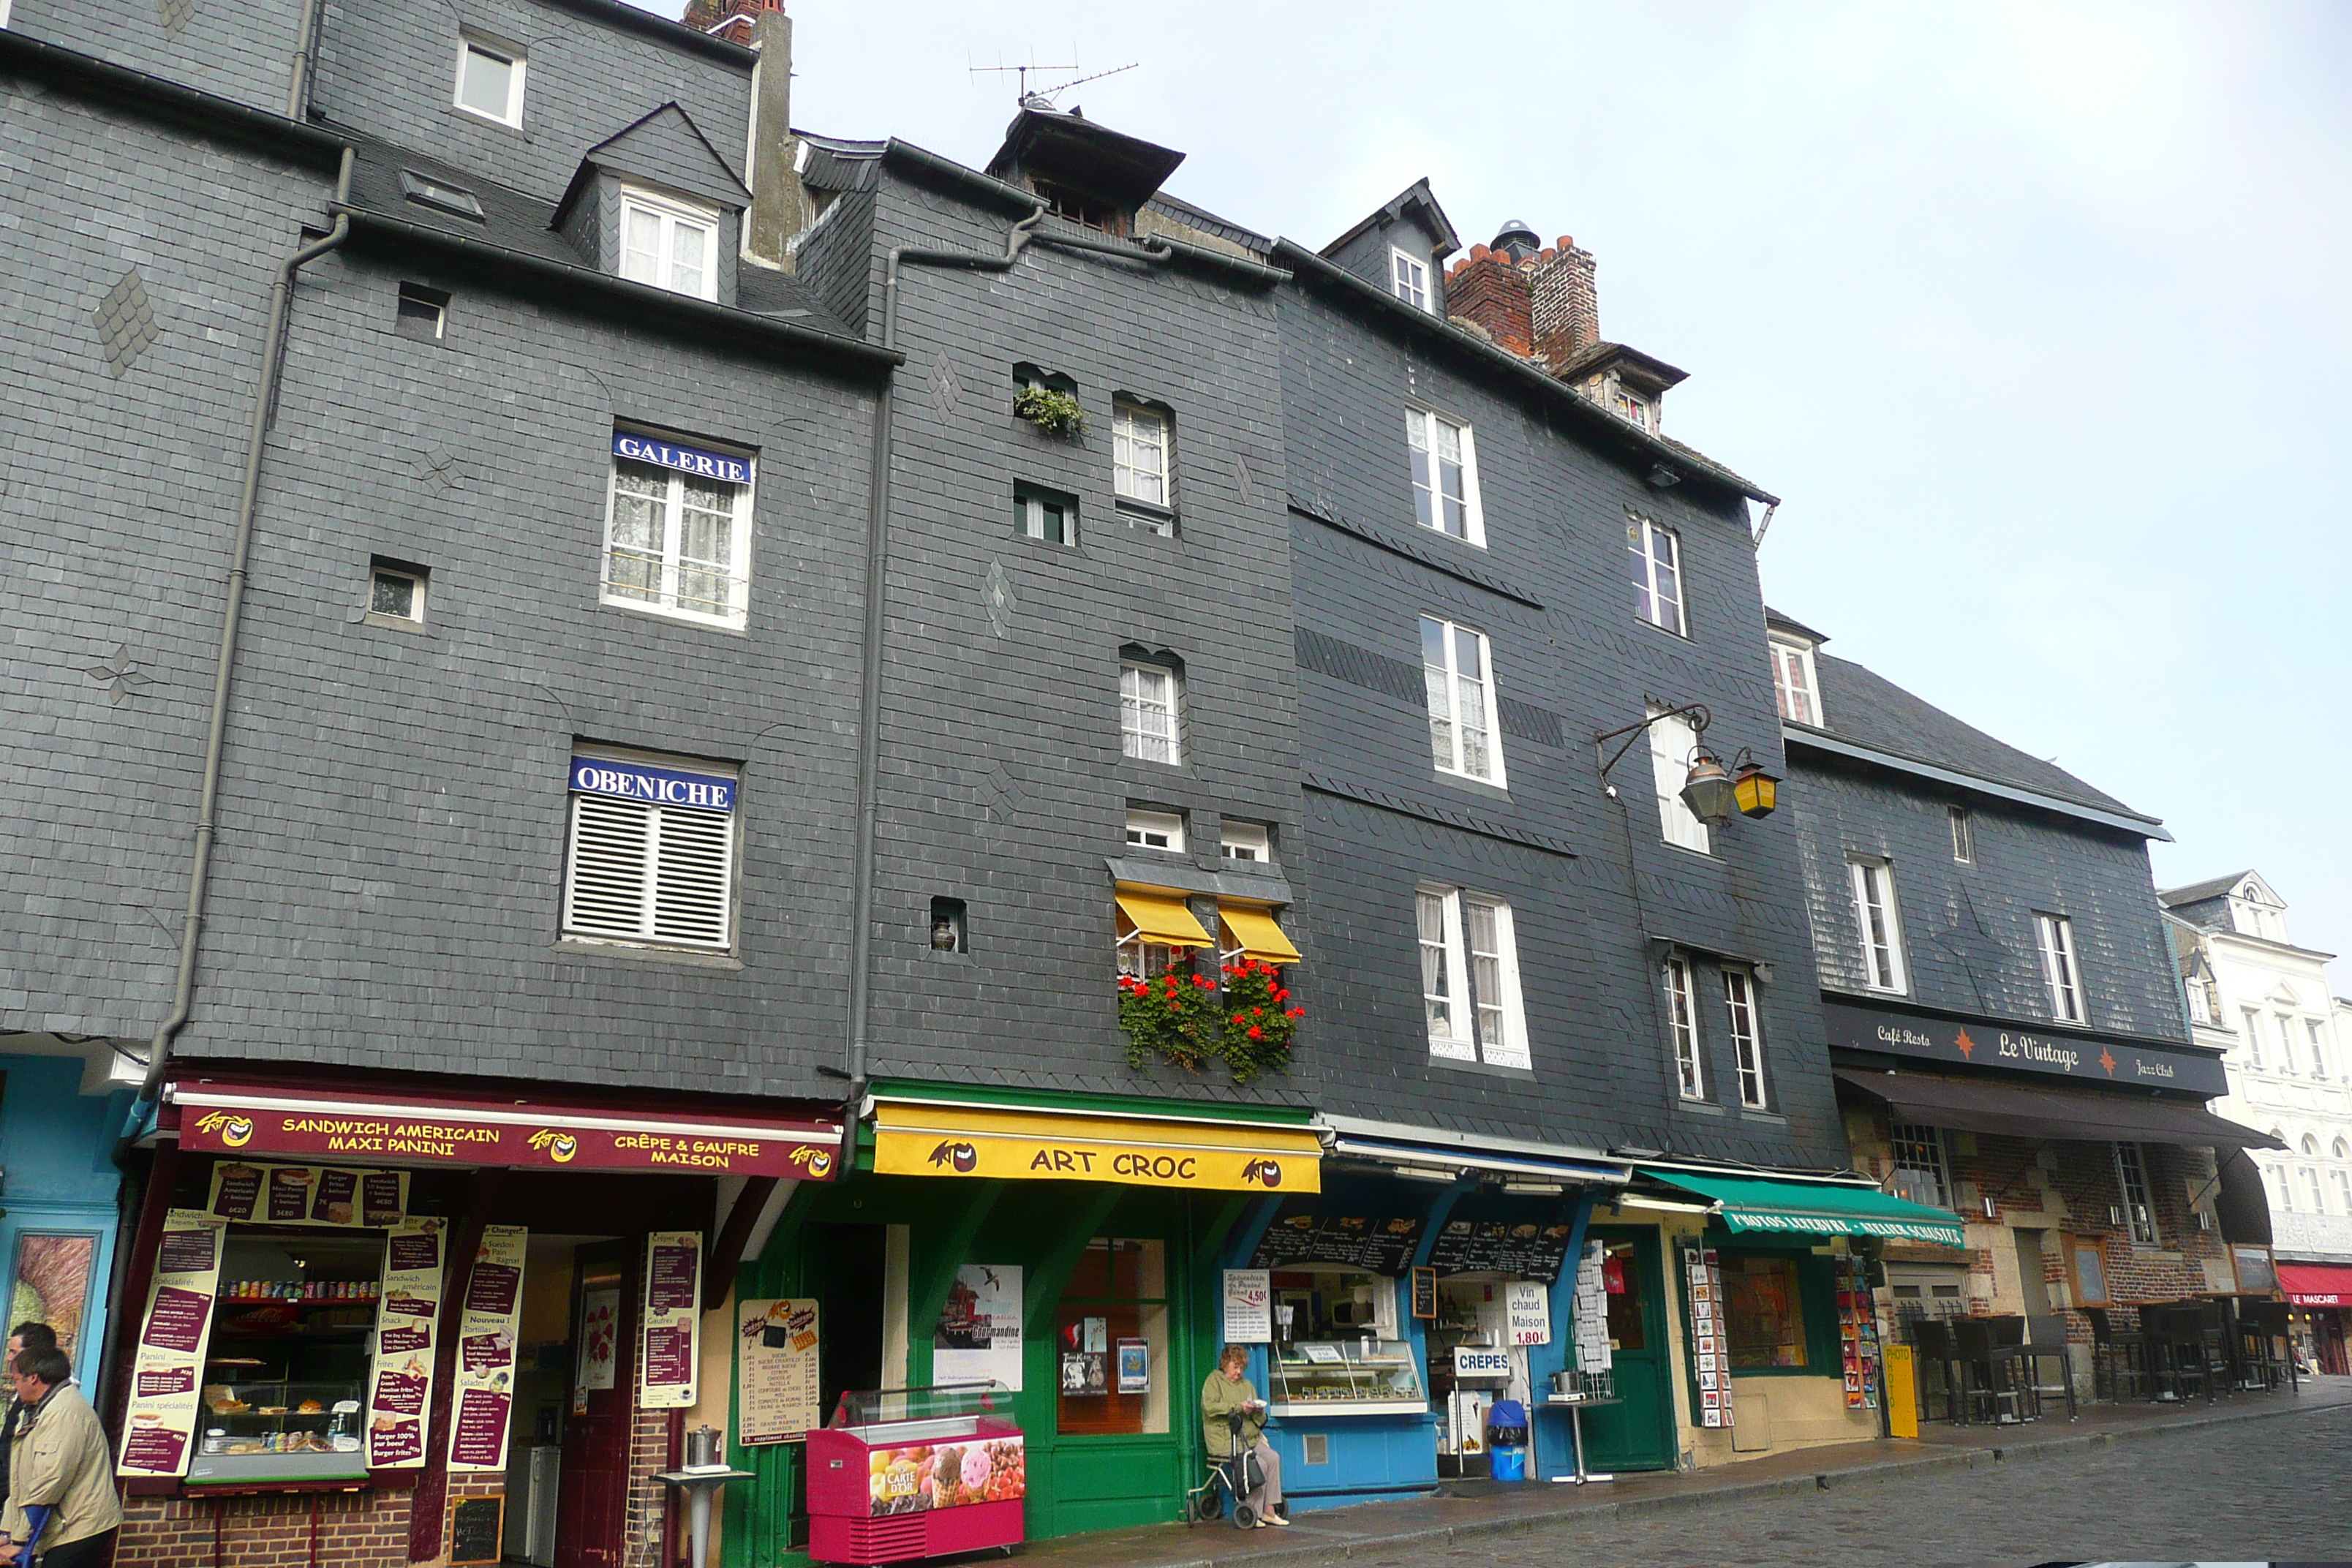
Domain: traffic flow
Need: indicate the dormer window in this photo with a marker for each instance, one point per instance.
(489, 81)
(1409, 280)
(669, 245)
(1793, 683)
(1078, 207)
(1632, 409)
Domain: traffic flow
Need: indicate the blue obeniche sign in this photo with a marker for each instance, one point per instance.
(654, 786)
(685, 460)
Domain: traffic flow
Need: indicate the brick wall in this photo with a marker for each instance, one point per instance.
(351, 1529)
(1566, 301)
(649, 1454)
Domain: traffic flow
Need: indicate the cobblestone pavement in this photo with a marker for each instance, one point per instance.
(2249, 1491)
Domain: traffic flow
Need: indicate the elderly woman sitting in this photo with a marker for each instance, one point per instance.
(1226, 1396)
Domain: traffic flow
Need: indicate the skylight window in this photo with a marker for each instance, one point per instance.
(428, 191)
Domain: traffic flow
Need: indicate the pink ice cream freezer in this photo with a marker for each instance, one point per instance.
(904, 1473)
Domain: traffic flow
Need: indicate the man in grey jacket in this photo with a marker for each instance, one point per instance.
(60, 1475)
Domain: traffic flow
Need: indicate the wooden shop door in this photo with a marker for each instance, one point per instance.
(1638, 1434)
(591, 1507)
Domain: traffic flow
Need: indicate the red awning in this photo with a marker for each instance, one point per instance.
(365, 1126)
(2316, 1284)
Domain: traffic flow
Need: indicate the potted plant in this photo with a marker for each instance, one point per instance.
(1051, 409)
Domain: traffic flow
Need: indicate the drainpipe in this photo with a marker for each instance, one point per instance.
(265, 404)
(306, 49)
(877, 552)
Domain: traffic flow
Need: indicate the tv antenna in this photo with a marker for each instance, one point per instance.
(1020, 91)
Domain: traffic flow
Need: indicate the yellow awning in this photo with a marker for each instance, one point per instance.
(925, 1139)
(1256, 934)
(1162, 918)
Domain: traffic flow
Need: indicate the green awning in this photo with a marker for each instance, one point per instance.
(1817, 1208)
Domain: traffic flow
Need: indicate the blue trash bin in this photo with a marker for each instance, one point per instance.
(1510, 1464)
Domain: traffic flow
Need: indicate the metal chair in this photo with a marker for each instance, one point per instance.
(2046, 1341)
(1989, 1357)
(2121, 1353)
(2176, 1345)
(2265, 1348)
(1933, 1339)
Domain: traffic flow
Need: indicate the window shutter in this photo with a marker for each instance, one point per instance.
(611, 841)
(691, 855)
(645, 873)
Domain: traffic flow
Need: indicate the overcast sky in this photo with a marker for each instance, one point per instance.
(2036, 315)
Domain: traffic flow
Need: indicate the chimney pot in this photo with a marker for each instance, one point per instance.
(1477, 252)
(1567, 242)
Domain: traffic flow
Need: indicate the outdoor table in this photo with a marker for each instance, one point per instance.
(1576, 1408)
(699, 1482)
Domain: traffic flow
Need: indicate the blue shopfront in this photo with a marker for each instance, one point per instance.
(61, 1108)
(1423, 1284)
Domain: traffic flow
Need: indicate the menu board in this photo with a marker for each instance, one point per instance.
(1249, 1307)
(307, 1194)
(484, 1394)
(673, 1316)
(776, 1370)
(407, 1316)
(1375, 1245)
(1710, 1350)
(1523, 1250)
(160, 1423)
(1858, 1333)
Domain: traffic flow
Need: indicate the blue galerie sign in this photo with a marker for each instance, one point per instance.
(685, 460)
(653, 786)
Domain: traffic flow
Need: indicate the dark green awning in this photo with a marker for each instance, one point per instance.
(1816, 1208)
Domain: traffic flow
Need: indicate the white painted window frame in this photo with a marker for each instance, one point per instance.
(672, 215)
(1452, 983)
(1804, 692)
(1921, 1140)
(1131, 440)
(1449, 748)
(1422, 428)
(1672, 742)
(1409, 281)
(2315, 1036)
(2287, 1045)
(1168, 827)
(2054, 937)
(600, 823)
(1255, 837)
(1651, 600)
(1743, 1007)
(1872, 880)
(1679, 985)
(1166, 693)
(2250, 1020)
(417, 581)
(2139, 1211)
(1964, 834)
(517, 59)
(674, 564)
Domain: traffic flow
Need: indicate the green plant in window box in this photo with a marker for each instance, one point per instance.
(1259, 1019)
(1183, 1018)
(1051, 410)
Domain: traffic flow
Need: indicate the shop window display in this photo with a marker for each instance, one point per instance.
(286, 1371)
(1763, 1315)
(1111, 1340)
(1337, 1348)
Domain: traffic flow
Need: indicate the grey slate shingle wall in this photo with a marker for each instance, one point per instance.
(1581, 663)
(1003, 784)
(241, 49)
(1969, 940)
(120, 500)
(389, 68)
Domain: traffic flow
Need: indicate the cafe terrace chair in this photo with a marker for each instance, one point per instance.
(1989, 1363)
(2266, 1350)
(2045, 1344)
(1933, 1339)
(2120, 1354)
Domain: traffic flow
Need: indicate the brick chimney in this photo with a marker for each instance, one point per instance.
(1488, 289)
(1566, 307)
(729, 19)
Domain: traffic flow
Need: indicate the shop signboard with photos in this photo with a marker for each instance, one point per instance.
(407, 1316)
(307, 1194)
(486, 1350)
(159, 1424)
(1709, 1337)
(672, 1320)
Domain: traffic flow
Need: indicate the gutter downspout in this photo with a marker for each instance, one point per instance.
(877, 553)
(306, 46)
(265, 405)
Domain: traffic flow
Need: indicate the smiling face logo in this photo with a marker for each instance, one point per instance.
(234, 1131)
(559, 1147)
(962, 1157)
(1265, 1172)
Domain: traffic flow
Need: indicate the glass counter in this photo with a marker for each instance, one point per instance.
(1346, 1377)
(277, 1432)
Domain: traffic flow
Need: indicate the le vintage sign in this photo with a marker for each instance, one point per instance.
(2098, 1058)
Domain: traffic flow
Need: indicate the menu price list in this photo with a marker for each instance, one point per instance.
(405, 1317)
(1375, 1245)
(486, 1345)
(776, 1369)
(1520, 1249)
(160, 1423)
(307, 1194)
(673, 1319)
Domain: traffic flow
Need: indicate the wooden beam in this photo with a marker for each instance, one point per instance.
(727, 1250)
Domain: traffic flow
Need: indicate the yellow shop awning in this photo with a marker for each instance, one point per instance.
(926, 1138)
(1162, 918)
(1257, 935)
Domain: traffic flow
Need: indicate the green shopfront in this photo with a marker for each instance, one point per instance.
(1066, 1249)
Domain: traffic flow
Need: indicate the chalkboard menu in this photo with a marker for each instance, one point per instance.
(1522, 1250)
(1374, 1244)
(476, 1525)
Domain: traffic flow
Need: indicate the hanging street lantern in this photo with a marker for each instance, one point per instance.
(1709, 791)
(1756, 791)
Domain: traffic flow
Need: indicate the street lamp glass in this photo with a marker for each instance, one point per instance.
(1708, 792)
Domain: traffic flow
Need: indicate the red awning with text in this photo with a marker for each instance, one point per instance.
(364, 1126)
(2316, 1284)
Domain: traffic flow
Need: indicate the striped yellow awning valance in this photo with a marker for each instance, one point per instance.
(1161, 917)
(1254, 933)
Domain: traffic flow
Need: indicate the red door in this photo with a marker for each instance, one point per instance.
(591, 1499)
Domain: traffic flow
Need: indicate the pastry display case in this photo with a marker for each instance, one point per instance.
(1345, 1377)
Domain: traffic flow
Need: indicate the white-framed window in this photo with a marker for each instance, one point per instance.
(2343, 1191)
(2274, 1177)
(1139, 454)
(1921, 1175)
(2316, 1030)
(1672, 742)
(1657, 560)
(1409, 279)
(2131, 1175)
(2287, 1045)
(1746, 1023)
(669, 245)
(1630, 407)
(1445, 476)
(1250, 841)
(1156, 830)
(490, 79)
(1681, 1028)
(1149, 699)
(2054, 935)
(421, 313)
(2201, 1001)
(1793, 683)
(1470, 978)
(2249, 1025)
(1043, 516)
(1457, 667)
(396, 593)
(677, 529)
(2313, 1191)
(651, 857)
(1963, 836)
(1881, 924)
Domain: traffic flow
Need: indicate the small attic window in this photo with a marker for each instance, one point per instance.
(439, 193)
(1078, 207)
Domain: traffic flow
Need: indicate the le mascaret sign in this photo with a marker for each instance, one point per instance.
(2095, 1058)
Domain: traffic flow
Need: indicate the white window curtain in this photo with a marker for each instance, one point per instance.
(1657, 574)
(1148, 714)
(1460, 690)
(1139, 446)
(1672, 742)
(2056, 936)
(1876, 916)
(1445, 476)
(677, 542)
(1470, 979)
(669, 246)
